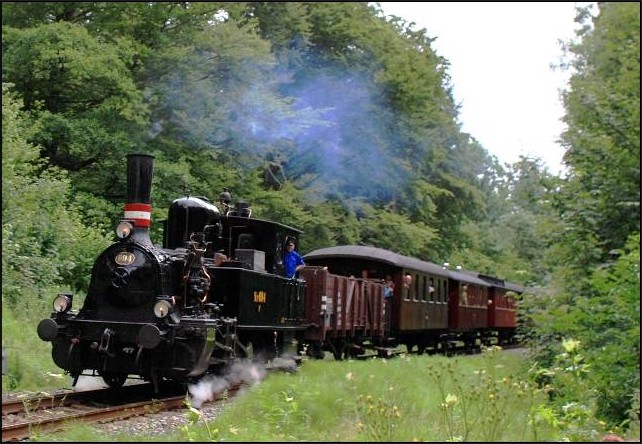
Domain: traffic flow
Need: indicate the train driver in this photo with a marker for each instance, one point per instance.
(293, 261)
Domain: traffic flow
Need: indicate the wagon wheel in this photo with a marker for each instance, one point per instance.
(383, 353)
(315, 350)
(448, 348)
(114, 380)
(337, 352)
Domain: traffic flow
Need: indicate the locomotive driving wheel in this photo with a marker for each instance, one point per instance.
(113, 379)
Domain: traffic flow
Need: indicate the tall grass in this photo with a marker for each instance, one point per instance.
(412, 398)
(494, 396)
(29, 363)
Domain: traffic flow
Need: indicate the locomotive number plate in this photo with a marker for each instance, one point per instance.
(260, 297)
(124, 258)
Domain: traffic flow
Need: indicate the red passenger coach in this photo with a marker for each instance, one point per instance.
(502, 309)
(467, 307)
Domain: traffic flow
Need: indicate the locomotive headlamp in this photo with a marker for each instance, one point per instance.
(62, 302)
(124, 229)
(162, 308)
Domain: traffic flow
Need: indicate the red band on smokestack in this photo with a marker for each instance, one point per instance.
(140, 213)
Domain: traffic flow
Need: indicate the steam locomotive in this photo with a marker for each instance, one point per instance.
(216, 293)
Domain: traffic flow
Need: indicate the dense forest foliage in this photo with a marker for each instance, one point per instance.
(336, 119)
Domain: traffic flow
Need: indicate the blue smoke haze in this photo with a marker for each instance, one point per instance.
(327, 133)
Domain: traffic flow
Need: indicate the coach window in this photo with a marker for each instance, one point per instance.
(463, 296)
(406, 285)
(405, 290)
(424, 291)
(431, 290)
(436, 295)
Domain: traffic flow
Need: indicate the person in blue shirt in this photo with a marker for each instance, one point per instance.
(388, 287)
(293, 261)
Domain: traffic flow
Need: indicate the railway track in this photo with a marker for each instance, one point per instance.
(45, 412)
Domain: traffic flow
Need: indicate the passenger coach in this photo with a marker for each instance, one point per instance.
(432, 307)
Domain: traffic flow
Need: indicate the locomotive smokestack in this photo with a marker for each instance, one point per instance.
(140, 168)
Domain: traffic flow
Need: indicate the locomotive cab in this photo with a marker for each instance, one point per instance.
(240, 269)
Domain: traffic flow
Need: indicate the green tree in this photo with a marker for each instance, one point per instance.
(82, 92)
(598, 203)
(602, 195)
(334, 96)
(44, 240)
(609, 326)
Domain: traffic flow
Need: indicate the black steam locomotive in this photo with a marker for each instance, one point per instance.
(215, 292)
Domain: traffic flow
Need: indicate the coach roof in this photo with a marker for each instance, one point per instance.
(377, 254)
